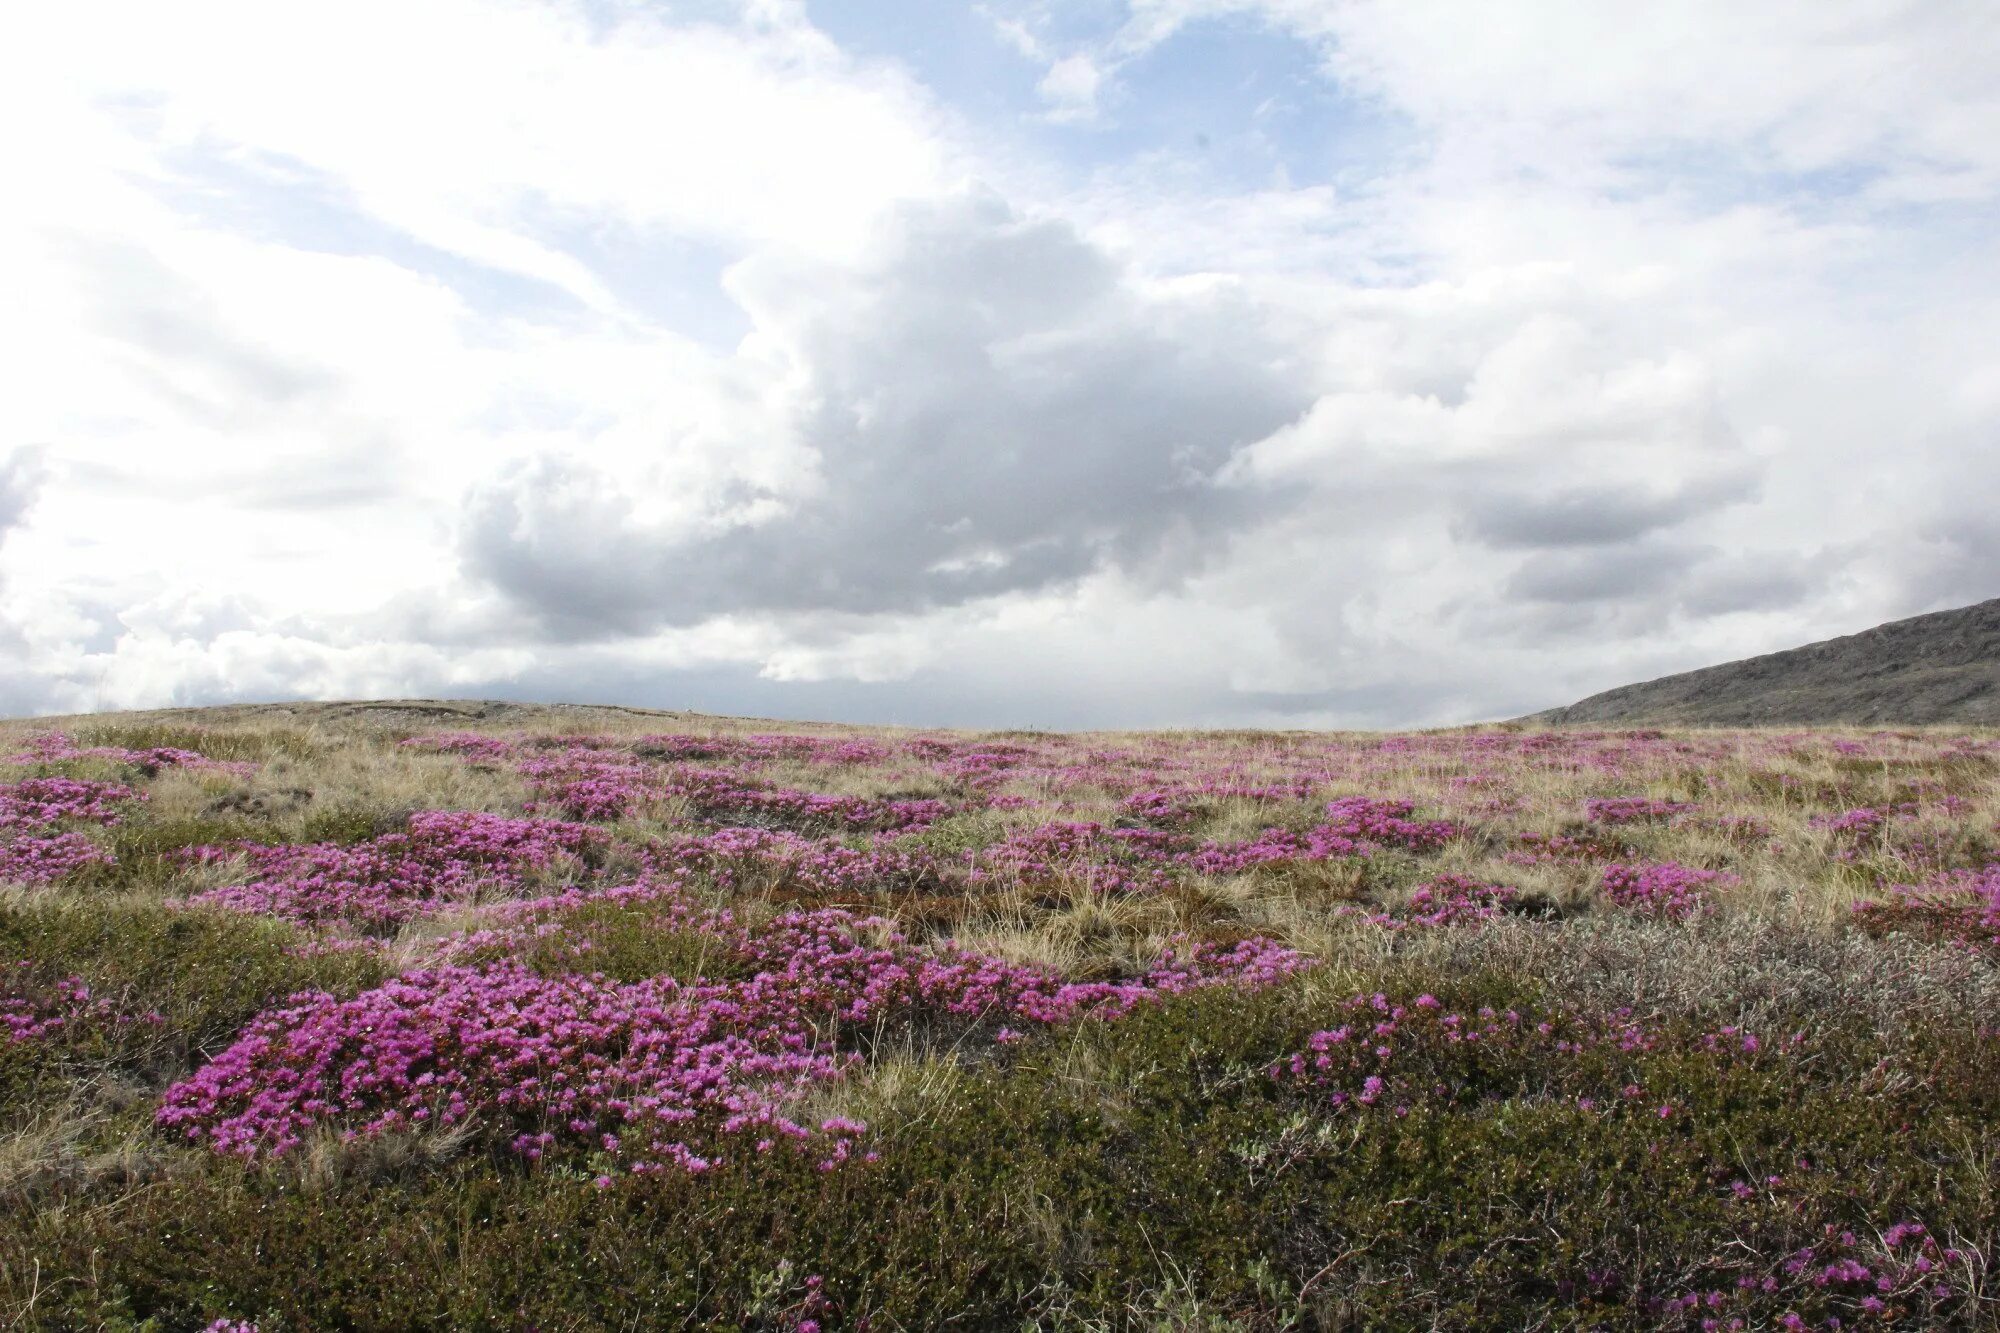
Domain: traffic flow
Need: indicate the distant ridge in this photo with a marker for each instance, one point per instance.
(1941, 668)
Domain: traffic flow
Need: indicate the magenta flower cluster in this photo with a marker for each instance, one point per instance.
(1666, 889)
(37, 802)
(32, 1010)
(56, 747)
(35, 847)
(1354, 826)
(646, 1075)
(750, 858)
(583, 782)
(1397, 1056)
(1563, 849)
(1865, 824)
(446, 858)
(718, 796)
(1105, 861)
(1958, 905)
(1877, 1279)
(766, 748)
(1451, 900)
(1635, 810)
(1180, 804)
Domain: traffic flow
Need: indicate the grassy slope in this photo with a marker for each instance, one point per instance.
(1942, 669)
(1144, 1173)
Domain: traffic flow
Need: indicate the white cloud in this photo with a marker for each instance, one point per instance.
(1903, 89)
(1664, 338)
(1071, 87)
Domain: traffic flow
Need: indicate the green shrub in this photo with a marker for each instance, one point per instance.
(204, 972)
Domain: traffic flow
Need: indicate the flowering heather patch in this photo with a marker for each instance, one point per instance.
(1865, 825)
(722, 797)
(58, 747)
(34, 847)
(744, 859)
(764, 748)
(651, 1074)
(1879, 1278)
(1355, 826)
(1161, 807)
(1105, 861)
(582, 782)
(32, 1011)
(445, 858)
(1736, 828)
(1665, 890)
(978, 768)
(1395, 1055)
(44, 858)
(41, 802)
(1453, 900)
(1634, 810)
(1564, 849)
(1180, 805)
(1961, 906)
(1384, 823)
(844, 752)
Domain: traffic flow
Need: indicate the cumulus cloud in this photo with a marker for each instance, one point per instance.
(985, 405)
(21, 473)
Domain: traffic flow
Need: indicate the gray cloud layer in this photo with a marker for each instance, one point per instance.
(989, 408)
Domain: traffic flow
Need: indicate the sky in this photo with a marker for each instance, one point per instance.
(1109, 363)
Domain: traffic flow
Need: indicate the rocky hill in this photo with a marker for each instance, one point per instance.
(1942, 668)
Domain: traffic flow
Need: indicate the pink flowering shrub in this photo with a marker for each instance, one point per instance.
(57, 747)
(833, 751)
(40, 802)
(1106, 861)
(722, 797)
(1173, 806)
(35, 848)
(1962, 906)
(585, 783)
(1737, 828)
(32, 1010)
(1900, 1272)
(749, 860)
(1391, 1056)
(1865, 829)
(44, 858)
(1634, 810)
(1668, 889)
(1354, 826)
(1451, 900)
(980, 767)
(445, 858)
(649, 1074)
(764, 748)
